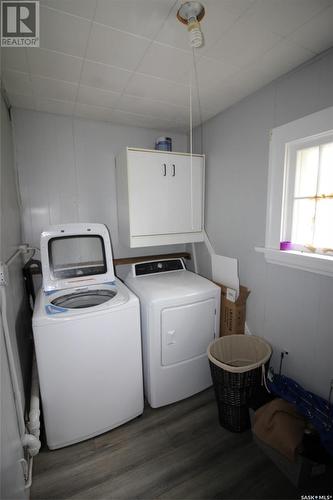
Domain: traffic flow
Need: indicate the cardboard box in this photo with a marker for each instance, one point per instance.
(233, 314)
(299, 472)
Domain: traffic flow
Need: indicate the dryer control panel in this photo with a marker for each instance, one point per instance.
(158, 266)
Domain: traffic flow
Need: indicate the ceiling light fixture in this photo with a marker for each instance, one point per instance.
(190, 14)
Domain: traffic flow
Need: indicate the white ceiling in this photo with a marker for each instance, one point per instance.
(129, 61)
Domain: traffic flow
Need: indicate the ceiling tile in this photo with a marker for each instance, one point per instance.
(14, 58)
(92, 112)
(116, 48)
(151, 108)
(82, 8)
(97, 97)
(63, 32)
(104, 77)
(238, 7)
(221, 96)
(245, 82)
(217, 96)
(126, 78)
(157, 88)
(213, 71)
(133, 104)
(144, 17)
(53, 89)
(282, 58)
(245, 42)
(317, 34)
(138, 120)
(16, 82)
(54, 65)
(212, 100)
(21, 101)
(166, 62)
(283, 17)
(55, 106)
(216, 21)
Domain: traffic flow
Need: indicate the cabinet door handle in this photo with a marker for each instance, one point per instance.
(164, 169)
(173, 170)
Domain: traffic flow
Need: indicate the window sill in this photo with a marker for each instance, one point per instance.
(314, 263)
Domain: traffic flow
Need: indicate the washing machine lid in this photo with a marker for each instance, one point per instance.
(75, 255)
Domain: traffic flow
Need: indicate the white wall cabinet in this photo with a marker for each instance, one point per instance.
(160, 197)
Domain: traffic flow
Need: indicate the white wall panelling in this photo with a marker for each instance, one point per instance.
(12, 480)
(293, 309)
(67, 171)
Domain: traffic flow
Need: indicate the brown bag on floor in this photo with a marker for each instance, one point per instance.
(279, 425)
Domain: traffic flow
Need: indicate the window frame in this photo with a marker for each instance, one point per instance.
(283, 141)
(290, 179)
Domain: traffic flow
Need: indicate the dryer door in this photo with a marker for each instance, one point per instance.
(187, 330)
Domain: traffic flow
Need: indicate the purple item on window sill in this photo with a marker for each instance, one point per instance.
(286, 245)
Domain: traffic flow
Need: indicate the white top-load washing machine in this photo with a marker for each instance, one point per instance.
(86, 326)
(179, 318)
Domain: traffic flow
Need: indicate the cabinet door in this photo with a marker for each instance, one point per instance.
(162, 191)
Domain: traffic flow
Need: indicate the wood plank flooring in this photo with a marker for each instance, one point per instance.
(175, 452)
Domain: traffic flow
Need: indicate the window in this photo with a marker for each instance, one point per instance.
(308, 222)
(300, 194)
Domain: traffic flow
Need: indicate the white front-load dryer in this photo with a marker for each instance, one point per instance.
(86, 326)
(179, 318)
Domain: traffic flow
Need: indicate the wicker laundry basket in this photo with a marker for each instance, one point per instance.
(237, 364)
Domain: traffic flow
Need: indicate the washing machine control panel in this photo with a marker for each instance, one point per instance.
(158, 266)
